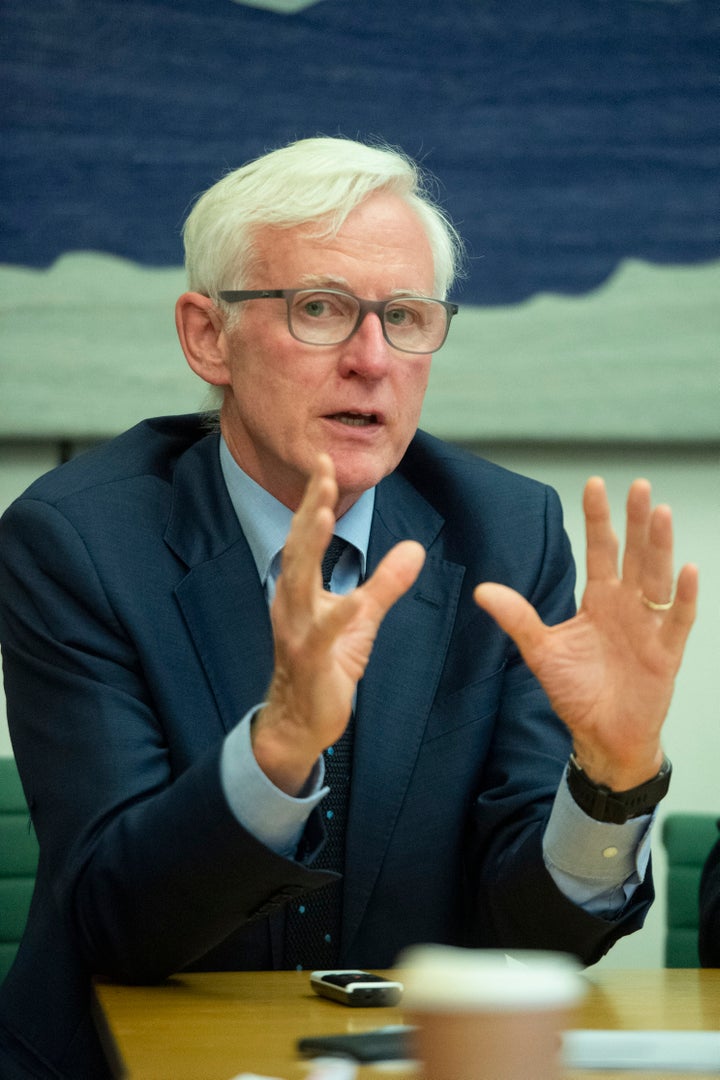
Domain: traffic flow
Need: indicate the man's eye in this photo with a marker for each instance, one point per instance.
(323, 306)
(400, 316)
(315, 308)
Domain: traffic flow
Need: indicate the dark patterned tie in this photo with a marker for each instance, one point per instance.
(312, 924)
(331, 558)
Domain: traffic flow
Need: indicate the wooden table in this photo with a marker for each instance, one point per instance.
(214, 1026)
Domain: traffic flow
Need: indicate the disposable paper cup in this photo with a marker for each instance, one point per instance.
(482, 1016)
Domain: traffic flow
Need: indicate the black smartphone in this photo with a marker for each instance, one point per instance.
(382, 1044)
(356, 988)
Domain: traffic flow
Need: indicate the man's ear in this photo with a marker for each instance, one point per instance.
(202, 337)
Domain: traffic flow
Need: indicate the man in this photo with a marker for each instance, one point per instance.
(171, 693)
(709, 942)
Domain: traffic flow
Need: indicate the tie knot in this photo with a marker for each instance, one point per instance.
(334, 550)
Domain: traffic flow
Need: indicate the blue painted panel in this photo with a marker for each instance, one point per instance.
(567, 136)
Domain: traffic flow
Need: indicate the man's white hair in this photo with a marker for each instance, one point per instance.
(313, 180)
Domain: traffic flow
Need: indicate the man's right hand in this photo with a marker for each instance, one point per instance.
(323, 641)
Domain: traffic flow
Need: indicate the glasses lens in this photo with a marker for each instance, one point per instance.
(323, 318)
(416, 325)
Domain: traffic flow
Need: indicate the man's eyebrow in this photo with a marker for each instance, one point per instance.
(320, 281)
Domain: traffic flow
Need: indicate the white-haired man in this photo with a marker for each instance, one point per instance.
(237, 759)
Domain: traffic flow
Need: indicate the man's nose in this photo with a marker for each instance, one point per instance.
(367, 352)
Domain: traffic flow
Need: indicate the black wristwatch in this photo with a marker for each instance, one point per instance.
(603, 804)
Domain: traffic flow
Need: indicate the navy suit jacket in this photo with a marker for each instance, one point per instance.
(136, 634)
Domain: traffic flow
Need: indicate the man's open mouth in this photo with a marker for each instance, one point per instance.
(355, 419)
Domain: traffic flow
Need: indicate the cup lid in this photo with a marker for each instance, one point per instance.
(445, 977)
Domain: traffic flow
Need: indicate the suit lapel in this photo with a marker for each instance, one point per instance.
(221, 597)
(397, 691)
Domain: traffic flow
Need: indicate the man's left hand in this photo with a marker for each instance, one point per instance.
(609, 671)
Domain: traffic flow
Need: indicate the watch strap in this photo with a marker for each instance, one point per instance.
(603, 804)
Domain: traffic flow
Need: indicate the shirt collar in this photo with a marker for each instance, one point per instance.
(266, 521)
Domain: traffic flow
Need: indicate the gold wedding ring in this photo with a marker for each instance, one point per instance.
(655, 606)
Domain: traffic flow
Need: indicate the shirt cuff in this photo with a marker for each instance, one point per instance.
(596, 864)
(273, 817)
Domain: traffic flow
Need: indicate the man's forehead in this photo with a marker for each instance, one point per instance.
(381, 237)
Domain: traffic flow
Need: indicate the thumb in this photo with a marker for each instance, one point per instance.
(395, 573)
(513, 614)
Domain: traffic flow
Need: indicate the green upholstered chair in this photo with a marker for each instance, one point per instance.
(18, 862)
(687, 839)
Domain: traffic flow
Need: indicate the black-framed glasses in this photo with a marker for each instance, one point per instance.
(413, 324)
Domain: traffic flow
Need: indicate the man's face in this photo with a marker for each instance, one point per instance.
(359, 401)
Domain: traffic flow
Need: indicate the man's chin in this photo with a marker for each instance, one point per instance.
(359, 474)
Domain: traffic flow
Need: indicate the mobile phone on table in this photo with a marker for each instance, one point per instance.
(381, 1044)
(356, 988)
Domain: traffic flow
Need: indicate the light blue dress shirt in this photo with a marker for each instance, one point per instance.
(596, 865)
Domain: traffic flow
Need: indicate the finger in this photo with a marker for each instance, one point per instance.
(393, 576)
(602, 544)
(656, 572)
(310, 531)
(636, 531)
(321, 489)
(681, 616)
(514, 615)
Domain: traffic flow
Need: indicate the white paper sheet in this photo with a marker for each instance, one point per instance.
(661, 1051)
